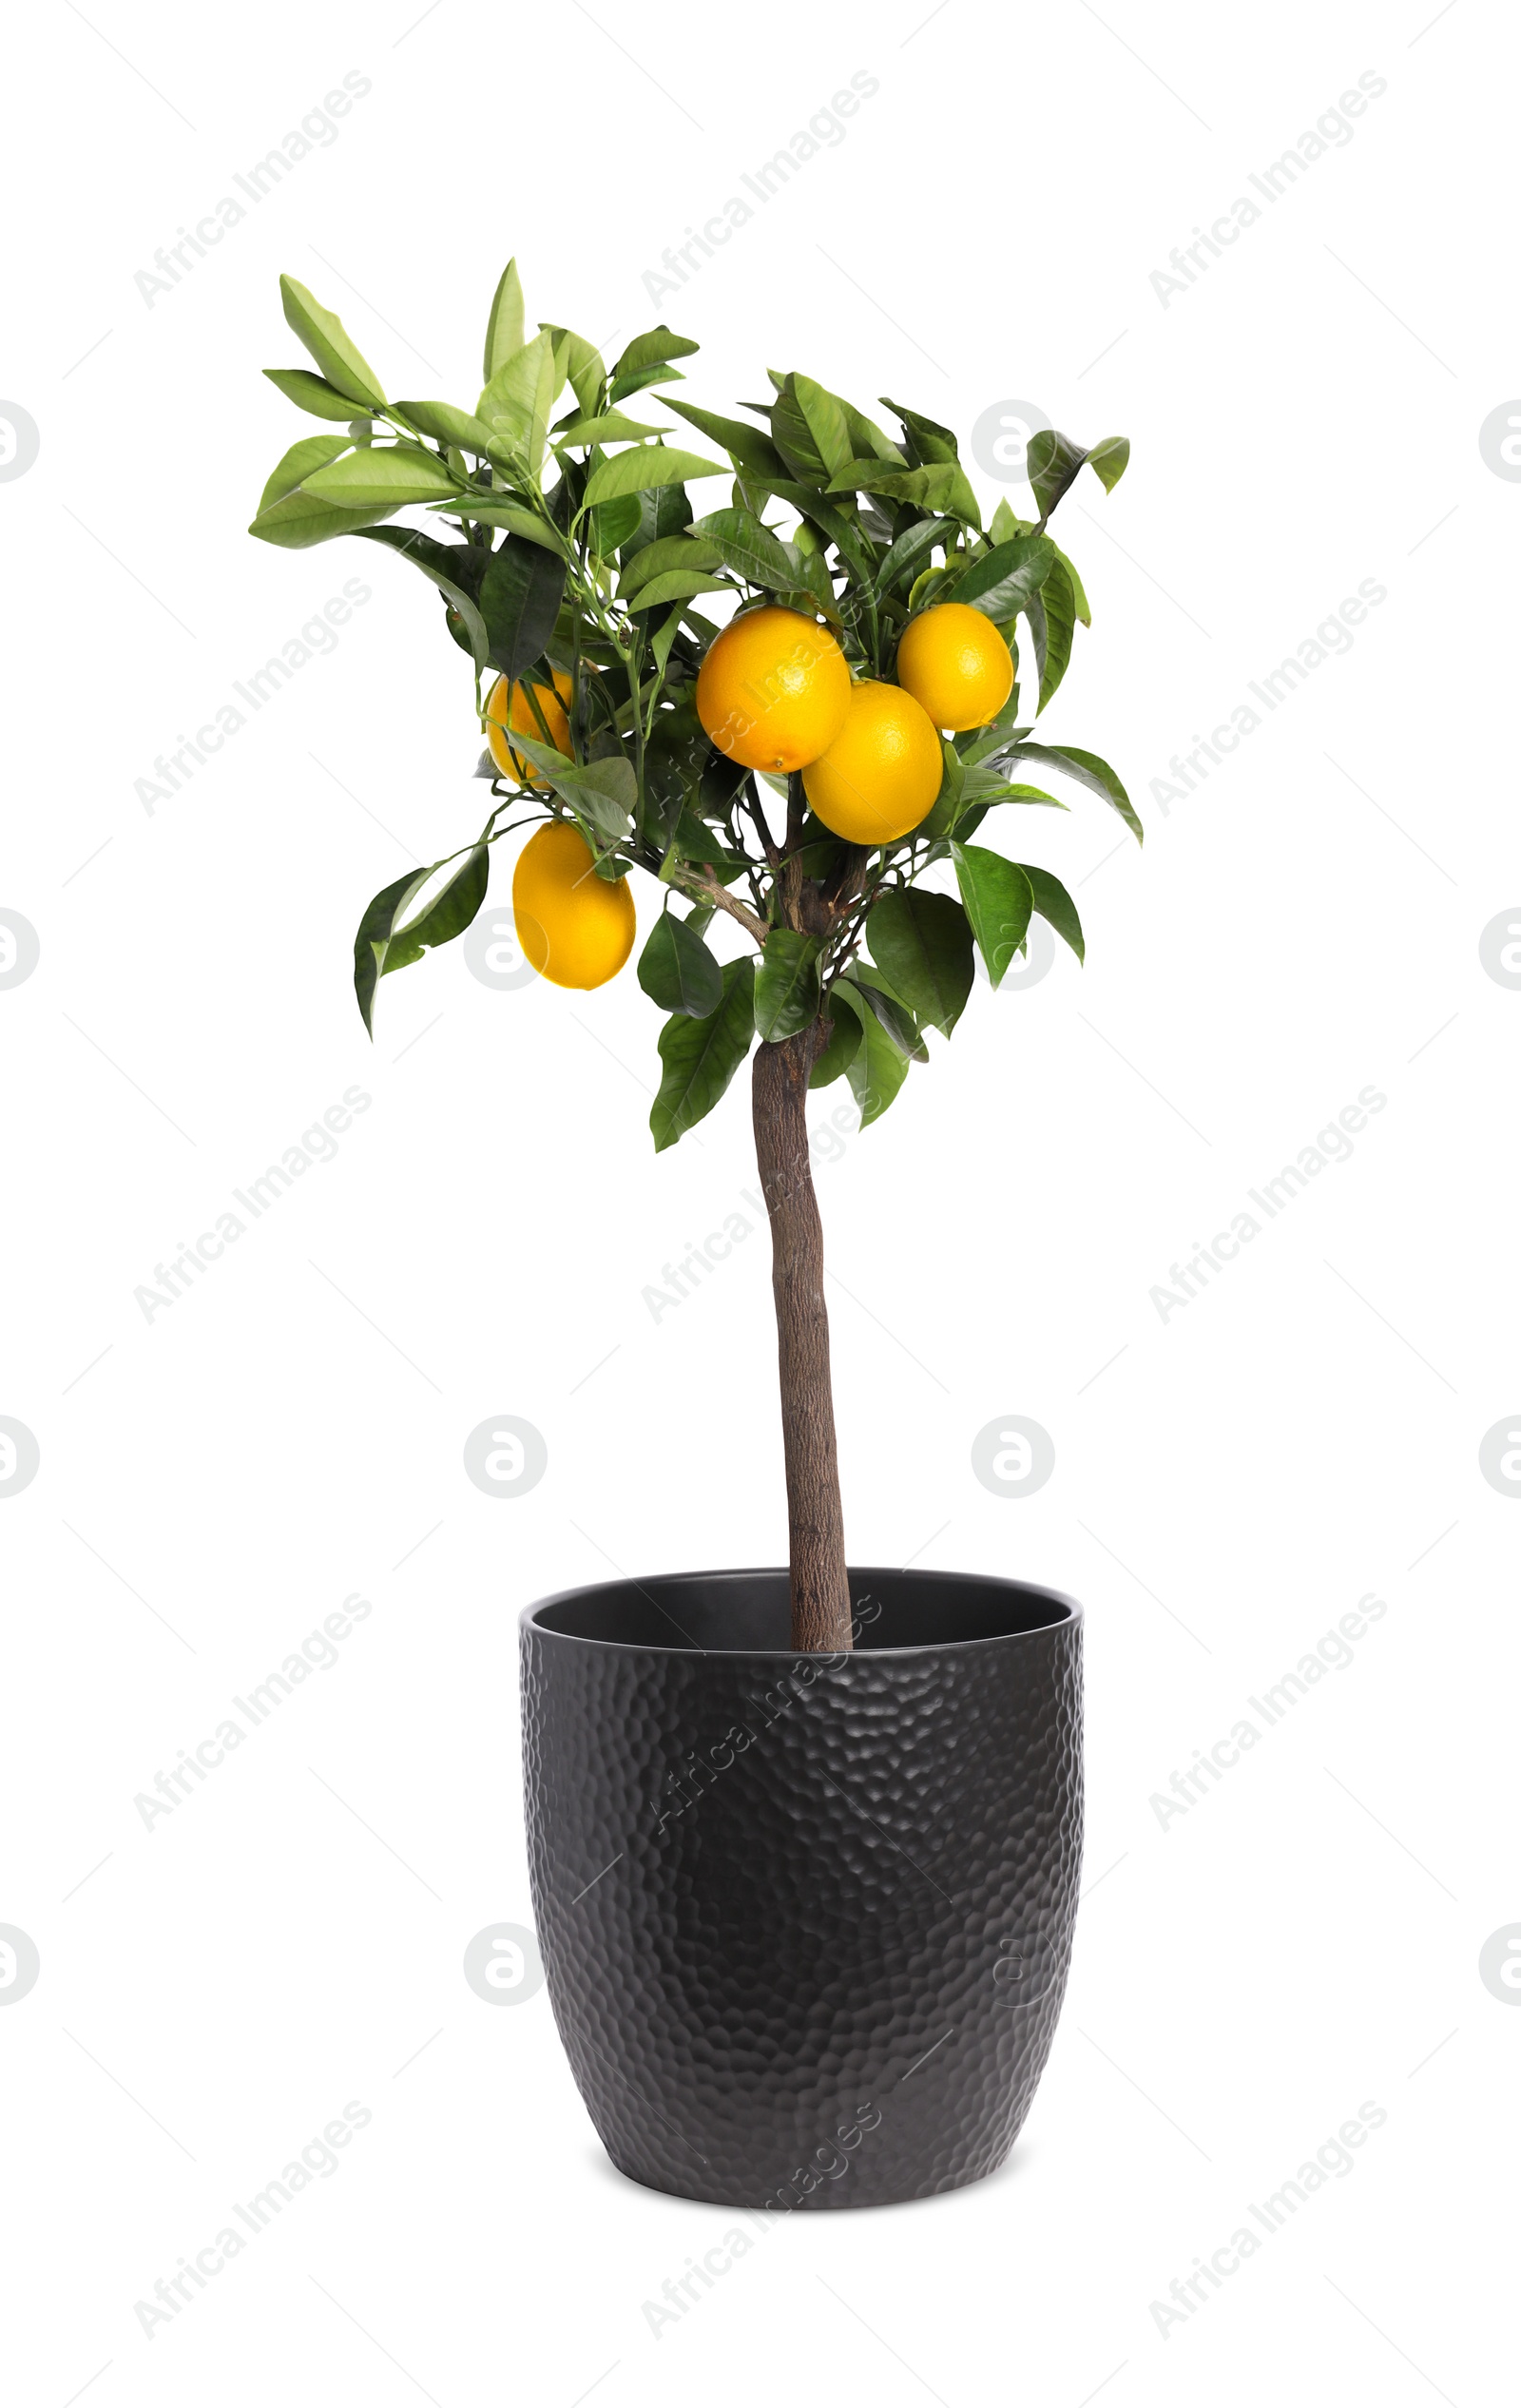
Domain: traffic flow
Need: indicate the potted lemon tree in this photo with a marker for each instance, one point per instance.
(803, 1843)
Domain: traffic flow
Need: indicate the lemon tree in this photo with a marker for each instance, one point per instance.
(780, 676)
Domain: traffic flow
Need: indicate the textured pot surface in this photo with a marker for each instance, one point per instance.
(806, 1919)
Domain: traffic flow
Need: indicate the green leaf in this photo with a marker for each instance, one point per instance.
(677, 971)
(999, 901)
(1034, 613)
(451, 568)
(663, 512)
(1109, 460)
(615, 525)
(680, 553)
(815, 588)
(603, 794)
(517, 400)
(504, 328)
(832, 523)
(844, 1040)
(922, 944)
(699, 1058)
(982, 744)
(611, 427)
(866, 437)
(341, 362)
(932, 441)
(520, 596)
(928, 487)
(875, 1069)
(488, 511)
(908, 550)
(1053, 903)
(1089, 771)
(1058, 607)
(1080, 601)
(946, 809)
(642, 470)
(381, 477)
(986, 786)
(302, 519)
(1001, 582)
(890, 1010)
(825, 417)
(678, 584)
(622, 387)
(752, 551)
(442, 423)
(745, 444)
(786, 986)
(301, 461)
(934, 444)
(387, 942)
(792, 434)
(646, 351)
(665, 637)
(312, 392)
(1052, 461)
(582, 365)
(693, 841)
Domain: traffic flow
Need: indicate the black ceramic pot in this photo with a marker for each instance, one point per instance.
(806, 1919)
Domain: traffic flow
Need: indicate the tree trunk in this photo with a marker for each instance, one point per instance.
(820, 1590)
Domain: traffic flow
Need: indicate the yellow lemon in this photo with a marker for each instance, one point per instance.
(882, 771)
(953, 660)
(507, 706)
(575, 928)
(772, 689)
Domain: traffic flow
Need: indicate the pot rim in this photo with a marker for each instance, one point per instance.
(1071, 1614)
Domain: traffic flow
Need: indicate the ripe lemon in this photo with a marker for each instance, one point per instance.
(882, 771)
(953, 660)
(575, 928)
(508, 705)
(772, 689)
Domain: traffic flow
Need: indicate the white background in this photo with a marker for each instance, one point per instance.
(1228, 1482)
